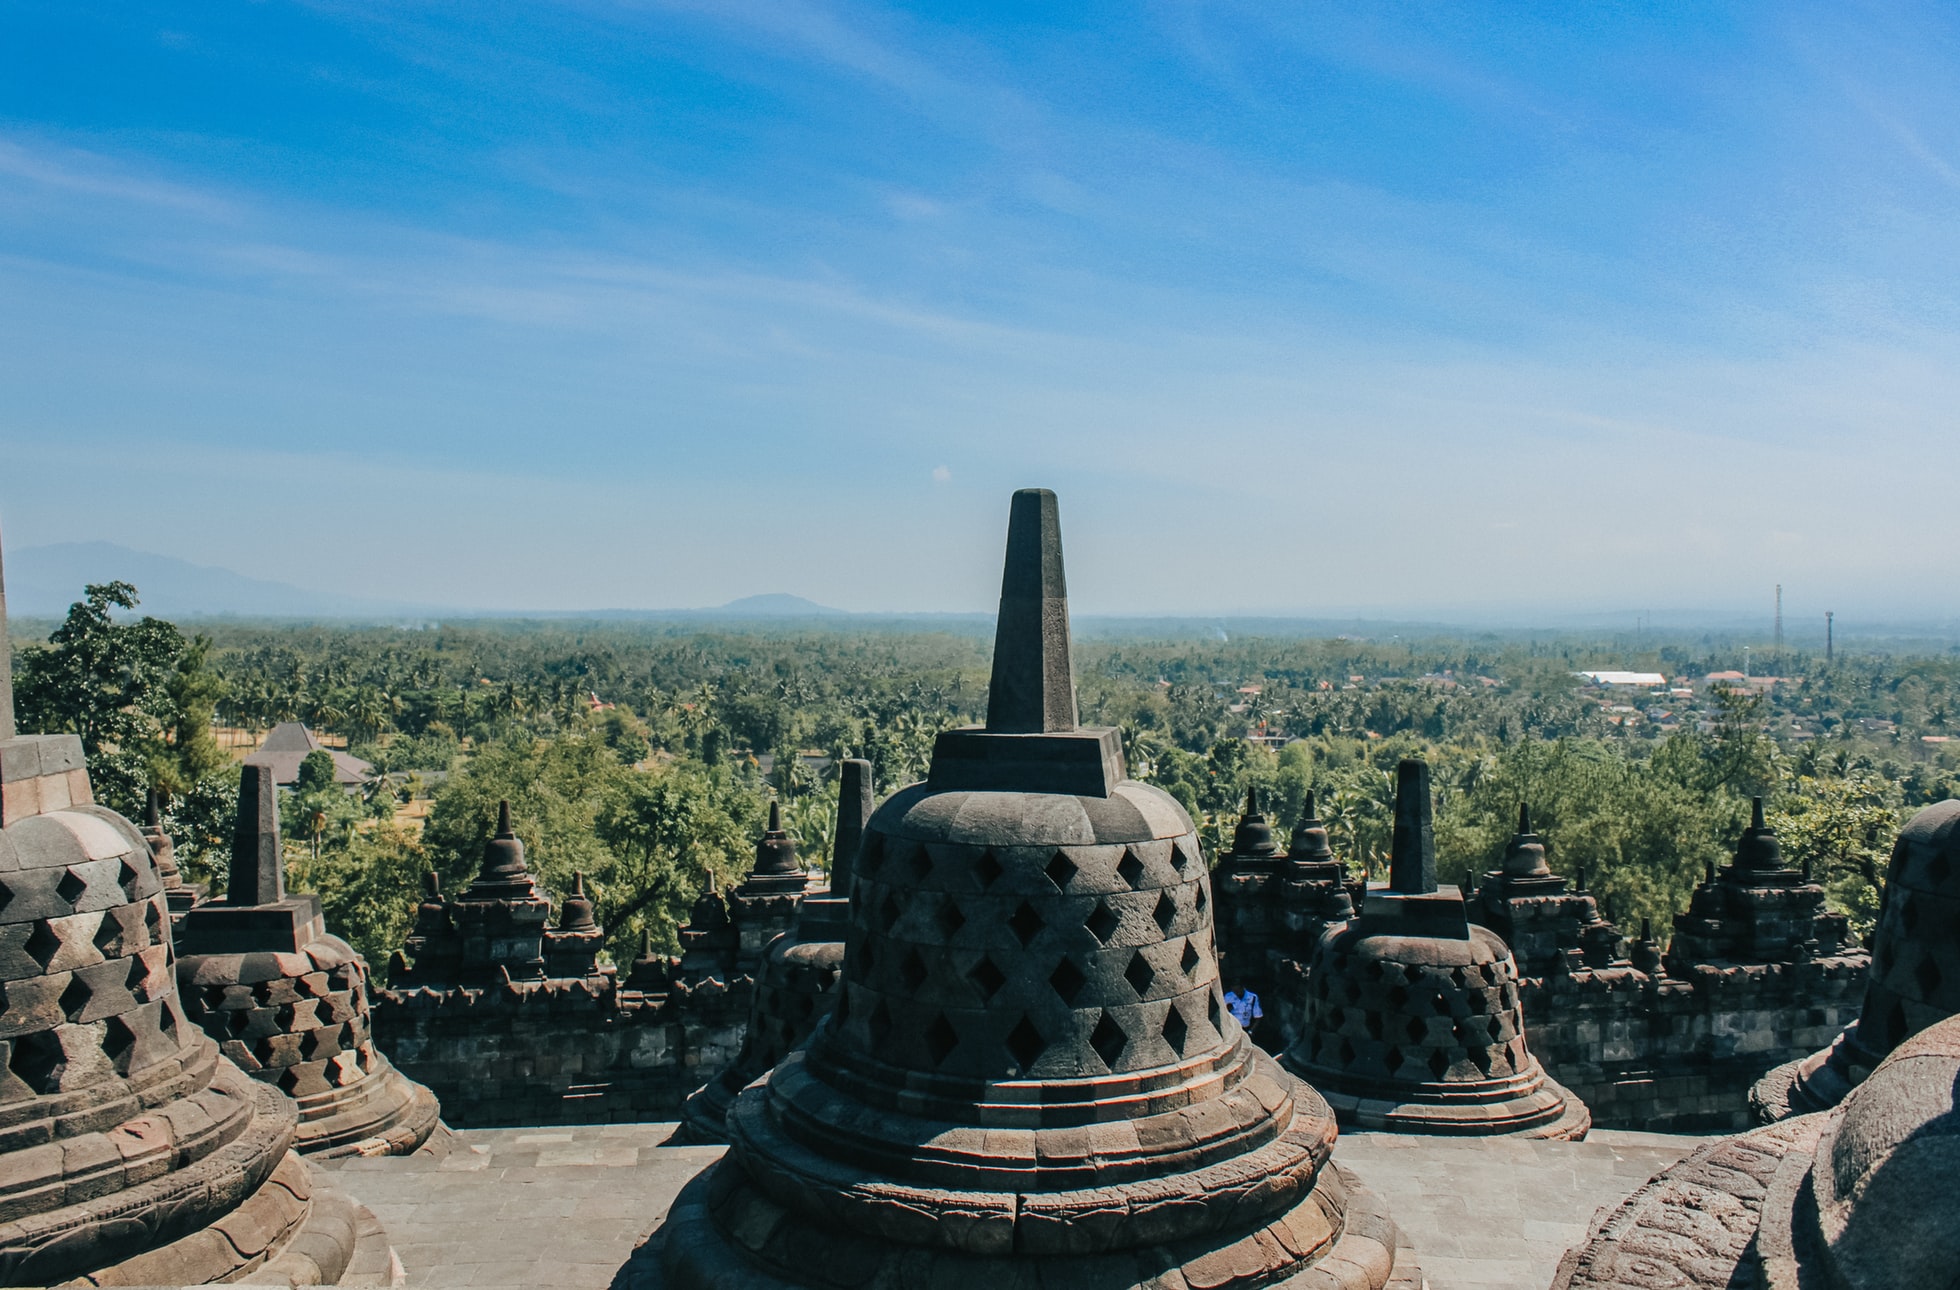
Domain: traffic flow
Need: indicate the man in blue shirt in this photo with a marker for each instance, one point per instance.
(1244, 1005)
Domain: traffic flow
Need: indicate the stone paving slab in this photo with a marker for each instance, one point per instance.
(1497, 1213)
(562, 1208)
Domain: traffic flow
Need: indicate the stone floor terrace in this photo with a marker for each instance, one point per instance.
(564, 1208)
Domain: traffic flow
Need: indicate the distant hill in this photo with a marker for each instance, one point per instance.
(42, 581)
(776, 604)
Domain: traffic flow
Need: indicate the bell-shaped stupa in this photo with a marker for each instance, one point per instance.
(1030, 1076)
(800, 970)
(133, 1152)
(1915, 971)
(1413, 1021)
(288, 1002)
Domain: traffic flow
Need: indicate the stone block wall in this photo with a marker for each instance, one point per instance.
(1661, 1053)
(561, 1051)
(1671, 1054)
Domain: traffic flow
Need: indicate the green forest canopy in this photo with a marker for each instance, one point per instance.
(642, 755)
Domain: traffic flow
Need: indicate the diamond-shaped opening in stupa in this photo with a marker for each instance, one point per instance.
(1067, 980)
(1139, 974)
(1175, 1030)
(1025, 1044)
(1025, 923)
(1130, 870)
(1109, 1040)
(1103, 922)
(1060, 870)
(987, 978)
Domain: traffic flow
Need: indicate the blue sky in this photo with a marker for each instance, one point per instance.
(1445, 308)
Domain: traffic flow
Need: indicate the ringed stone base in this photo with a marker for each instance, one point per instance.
(1339, 1238)
(1549, 1112)
(299, 1020)
(287, 1232)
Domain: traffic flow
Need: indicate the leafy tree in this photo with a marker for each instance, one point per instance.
(136, 692)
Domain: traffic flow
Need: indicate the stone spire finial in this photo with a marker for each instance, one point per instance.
(1412, 850)
(855, 801)
(1524, 856)
(7, 730)
(1758, 848)
(575, 915)
(775, 853)
(1309, 841)
(503, 860)
(258, 875)
(1254, 834)
(1033, 686)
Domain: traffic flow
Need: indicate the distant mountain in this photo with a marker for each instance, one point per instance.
(42, 581)
(776, 604)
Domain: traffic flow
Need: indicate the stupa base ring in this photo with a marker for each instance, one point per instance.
(383, 1114)
(1297, 1250)
(1548, 1112)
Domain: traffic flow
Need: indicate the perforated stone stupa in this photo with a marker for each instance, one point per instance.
(1857, 1198)
(131, 1151)
(1413, 1021)
(800, 969)
(1915, 971)
(1029, 1077)
(288, 1003)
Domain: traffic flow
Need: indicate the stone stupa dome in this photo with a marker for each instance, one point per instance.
(1029, 1074)
(1915, 971)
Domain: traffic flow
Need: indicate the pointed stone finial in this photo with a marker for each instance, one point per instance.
(1524, 855)
(1708, 871)
(1579, 878)
(775, 854)
(1758, 848)
(7, 730)
(1412, 848)
(855, 802)
(504, 875)
(1309, 841)
(1033, 686)
(258, 876)
(1254, 834)
(575, 915)
(152, 813)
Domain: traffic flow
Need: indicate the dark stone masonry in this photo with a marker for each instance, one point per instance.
(1029, 1075)
(993, 1051)
(1413, 1020)
(1758, 975)
(132, 1152)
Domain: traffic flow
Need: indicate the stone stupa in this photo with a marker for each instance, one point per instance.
(800, 968)
(288, 1002)
(1915, 971)
(131, 1151)
(1857, 1198)
(1413, 1021)
(1029, 1077)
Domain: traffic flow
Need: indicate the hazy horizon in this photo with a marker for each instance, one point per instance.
(1422, 310)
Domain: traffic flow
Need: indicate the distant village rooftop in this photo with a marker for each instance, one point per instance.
(288, 744)
(1644, 679)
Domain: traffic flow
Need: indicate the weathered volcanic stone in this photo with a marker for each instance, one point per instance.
(1915, 971)
(131, 1152)
(1857, 1198)
(1413, 1021)
(288, 1003)
(1029, 1077)
(797, 984)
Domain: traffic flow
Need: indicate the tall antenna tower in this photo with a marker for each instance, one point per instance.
(1779, 618)
(1828, 616)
